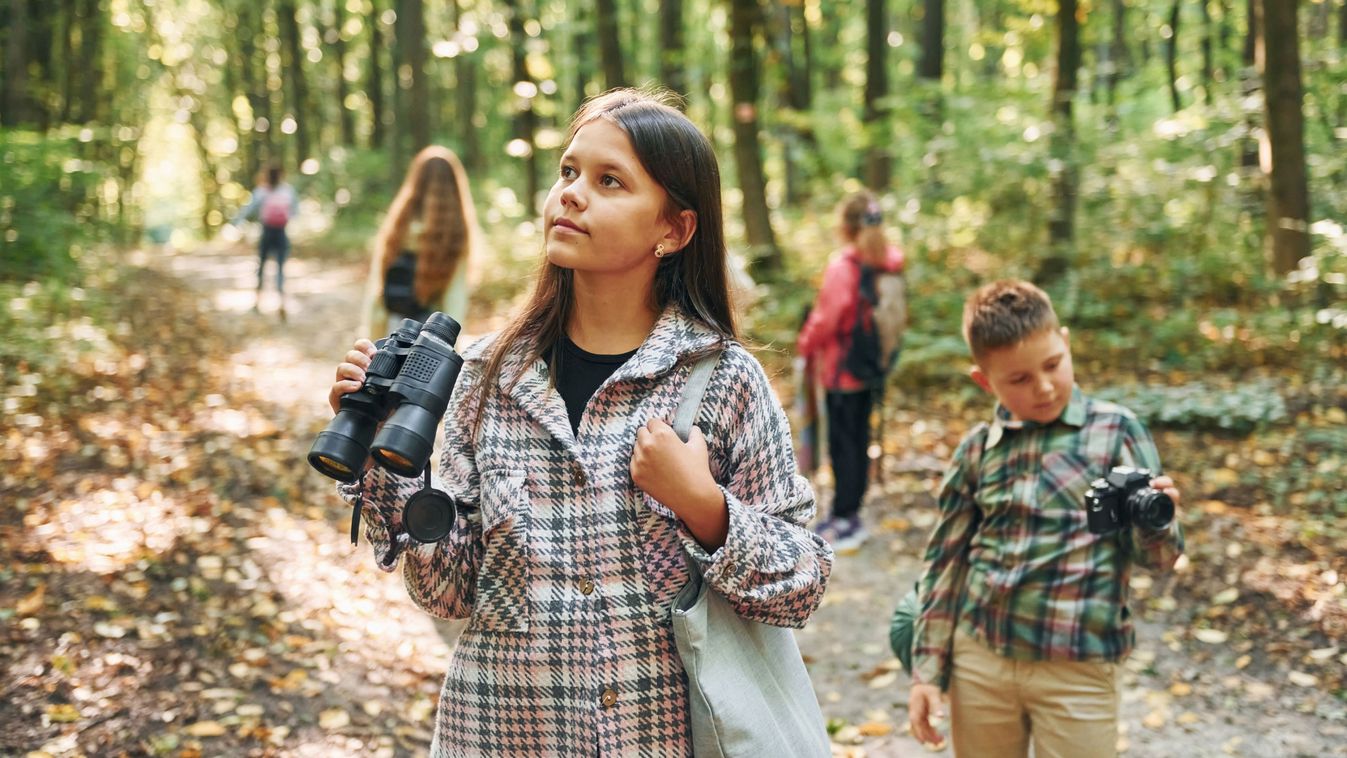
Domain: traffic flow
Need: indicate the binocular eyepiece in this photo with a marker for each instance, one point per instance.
(393, 417)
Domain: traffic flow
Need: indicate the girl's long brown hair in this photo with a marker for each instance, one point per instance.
(695, 280)
(863, 226)
(435, 192)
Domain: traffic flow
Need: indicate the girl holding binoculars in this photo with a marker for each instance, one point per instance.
(578, 505)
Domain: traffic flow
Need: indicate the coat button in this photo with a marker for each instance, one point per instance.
(586, 586)
(578, 477)
(609, 698)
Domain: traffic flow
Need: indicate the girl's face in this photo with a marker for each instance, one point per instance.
(605, 214)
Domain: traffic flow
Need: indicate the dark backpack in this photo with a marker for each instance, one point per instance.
(877, 332)
(400, 288)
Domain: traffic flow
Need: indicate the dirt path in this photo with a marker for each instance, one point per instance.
(1177, 701)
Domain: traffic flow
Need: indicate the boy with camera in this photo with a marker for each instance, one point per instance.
(1023, 614)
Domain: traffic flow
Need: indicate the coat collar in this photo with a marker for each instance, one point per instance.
(674, 337)
(1073, 415)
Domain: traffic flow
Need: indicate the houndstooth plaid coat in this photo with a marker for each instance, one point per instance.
(566, 570)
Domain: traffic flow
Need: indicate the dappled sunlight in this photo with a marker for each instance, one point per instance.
(323, 577)
(106, 530)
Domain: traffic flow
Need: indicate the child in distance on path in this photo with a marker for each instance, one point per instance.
(577, 501)
(274, 203)
(1024, 615)
(826, 337)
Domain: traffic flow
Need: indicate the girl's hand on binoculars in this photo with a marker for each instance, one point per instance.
(351, 372)
(1167, 486)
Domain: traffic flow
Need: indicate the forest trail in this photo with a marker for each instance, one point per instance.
(218, 607)
(858, 681)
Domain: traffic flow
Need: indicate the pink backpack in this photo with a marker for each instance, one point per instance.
(275, 210)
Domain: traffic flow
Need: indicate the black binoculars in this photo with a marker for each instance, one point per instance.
(393, 417)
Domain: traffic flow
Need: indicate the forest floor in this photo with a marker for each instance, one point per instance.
(175, 580)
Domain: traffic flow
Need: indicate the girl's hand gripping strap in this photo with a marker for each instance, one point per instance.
(692, 394)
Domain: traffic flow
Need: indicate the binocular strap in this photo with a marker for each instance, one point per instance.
(396, 542)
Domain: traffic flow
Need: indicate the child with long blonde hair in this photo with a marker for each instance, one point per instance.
(432, 217)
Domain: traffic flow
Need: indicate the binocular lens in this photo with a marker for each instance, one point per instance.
(429, 516)
(403, 444)
(339, 451)
(334, 466)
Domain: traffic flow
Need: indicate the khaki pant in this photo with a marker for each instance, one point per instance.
(1068, 708)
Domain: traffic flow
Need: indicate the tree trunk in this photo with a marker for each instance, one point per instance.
(346, 119)
(672, 53)
(1342, 46)
(374, 85)
(91, 49)
(465, 96)
(1208, 64)
(792, 97)
(1249, 89)
(41, 28)
(525, 120)
(1118, 58)
(1172, 56)
(70, 29)
(765, 258)
(582, 42)
(287, 17)
(877, 163)
(610, 44)
(1061, 225)
(932, 65)
(15, 110)
(1288, 200)
(412, 45)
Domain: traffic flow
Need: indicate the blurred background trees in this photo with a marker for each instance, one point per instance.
(1187, 151)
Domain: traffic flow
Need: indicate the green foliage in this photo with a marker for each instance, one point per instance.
(1198, 405)
(49, 204)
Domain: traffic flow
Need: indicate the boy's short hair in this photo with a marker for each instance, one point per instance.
(1005, 313)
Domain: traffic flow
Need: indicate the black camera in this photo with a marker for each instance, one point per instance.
(1124, 497)
(407, 388)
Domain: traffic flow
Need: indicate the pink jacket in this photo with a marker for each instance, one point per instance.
(566, 570)
(826, 334)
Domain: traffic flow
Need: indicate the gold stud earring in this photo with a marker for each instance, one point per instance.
(659, 250)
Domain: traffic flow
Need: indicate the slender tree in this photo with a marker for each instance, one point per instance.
(1288, 198)
(336, 39)
(374, 84)
(465, 94)
(1172, 56)
(610, 43)
(91, 49)
(745, 21)
(15, 110)
(411, 33)
(878, 168)
(932, 64)
(292, 56)
(525, 118)
(1061, 224)
(672, 66)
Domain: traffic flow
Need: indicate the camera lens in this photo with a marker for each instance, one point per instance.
(429, 516)
(1151, 508)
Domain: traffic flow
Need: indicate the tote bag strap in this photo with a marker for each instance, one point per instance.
(691, 402)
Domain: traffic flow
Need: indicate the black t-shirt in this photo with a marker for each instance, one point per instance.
(579, 376)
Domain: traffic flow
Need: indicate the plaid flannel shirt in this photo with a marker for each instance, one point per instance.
(1011, 562)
